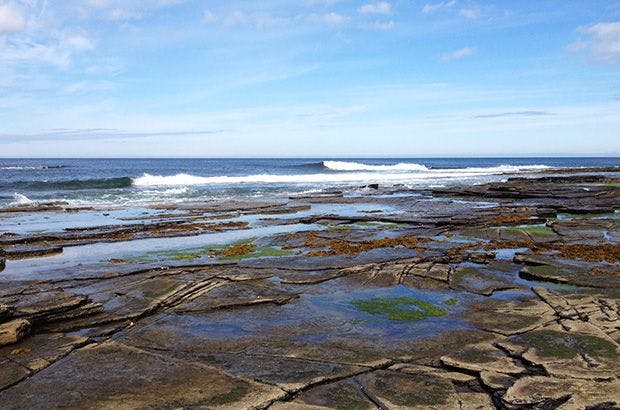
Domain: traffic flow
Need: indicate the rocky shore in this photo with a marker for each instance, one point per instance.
(503, 295)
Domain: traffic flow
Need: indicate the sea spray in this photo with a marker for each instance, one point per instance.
(400, 175)
(21, 199)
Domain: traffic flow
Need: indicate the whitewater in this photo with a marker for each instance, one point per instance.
(349, 172)
(127, 182)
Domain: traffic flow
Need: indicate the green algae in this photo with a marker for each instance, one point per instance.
(402, 308)
(548, 273)
(362, 224)
(475, 356)
(182, 256)
(413, 390)
(595, 346)
(236, 393)
(568, 345)
(345, 397)
(343, 227)
(239, 250)
(535, 230)
(451, 301)
(517, 322)
(261, 252)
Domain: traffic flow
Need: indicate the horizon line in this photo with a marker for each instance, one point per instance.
(526, 156)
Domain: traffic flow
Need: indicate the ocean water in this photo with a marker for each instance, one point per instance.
(144, 181)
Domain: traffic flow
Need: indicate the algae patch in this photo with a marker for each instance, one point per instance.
(236, 251)
(363, 224)
(567, 345)
(540, 231)
(451, 302)
(402, 308)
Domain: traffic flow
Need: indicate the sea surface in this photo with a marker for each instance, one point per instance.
(122, 182)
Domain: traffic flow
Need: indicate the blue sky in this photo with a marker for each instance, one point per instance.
(313, 78)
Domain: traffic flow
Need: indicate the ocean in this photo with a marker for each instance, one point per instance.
(110, 182)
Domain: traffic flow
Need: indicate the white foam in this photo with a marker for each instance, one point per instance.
(148, 180)
(501, 169)
(26, 168)
(356, 166)
(176, 191)
(21, 199)
(11, 168)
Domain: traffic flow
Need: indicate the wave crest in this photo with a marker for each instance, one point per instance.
(21, 199)
(357, 166)
(366, 176)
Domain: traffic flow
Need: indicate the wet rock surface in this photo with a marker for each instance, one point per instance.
(504, 295)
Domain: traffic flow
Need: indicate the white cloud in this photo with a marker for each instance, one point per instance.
(313, 3)
(25, 52)
(170, 2)
(381, 7)
(332, 19)
(380, 25)
(11, 20)
(42, 43)
(435, 7)
(79, 42)
(257, 20)
(265, 20)
(603, 43)
(458, 54)
(121, 14)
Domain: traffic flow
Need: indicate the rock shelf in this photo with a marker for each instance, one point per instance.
(503, 295)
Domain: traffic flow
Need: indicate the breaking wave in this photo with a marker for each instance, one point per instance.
(357, 166)
(396, 175)
(21, 199)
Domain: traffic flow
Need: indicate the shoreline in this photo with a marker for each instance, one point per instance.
(147, 183)
(502, 294)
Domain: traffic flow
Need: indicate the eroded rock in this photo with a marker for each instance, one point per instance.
(13, 331)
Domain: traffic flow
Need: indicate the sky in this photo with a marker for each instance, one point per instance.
(309, 78)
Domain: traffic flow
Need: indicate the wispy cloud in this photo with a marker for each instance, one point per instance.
(515, 114)
(80, 42)
(381, 7)
(458, 54)
(435, 7)
(122, 10)
(100, 133)
(471, 12)
(380, 25)
(331, 19)
(602, 44)
(258, 20)
(121, 14)
(11, 19)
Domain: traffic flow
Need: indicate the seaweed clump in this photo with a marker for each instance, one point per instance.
(404, 308)
(342, 247)
(602, 252)
(238, 249)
